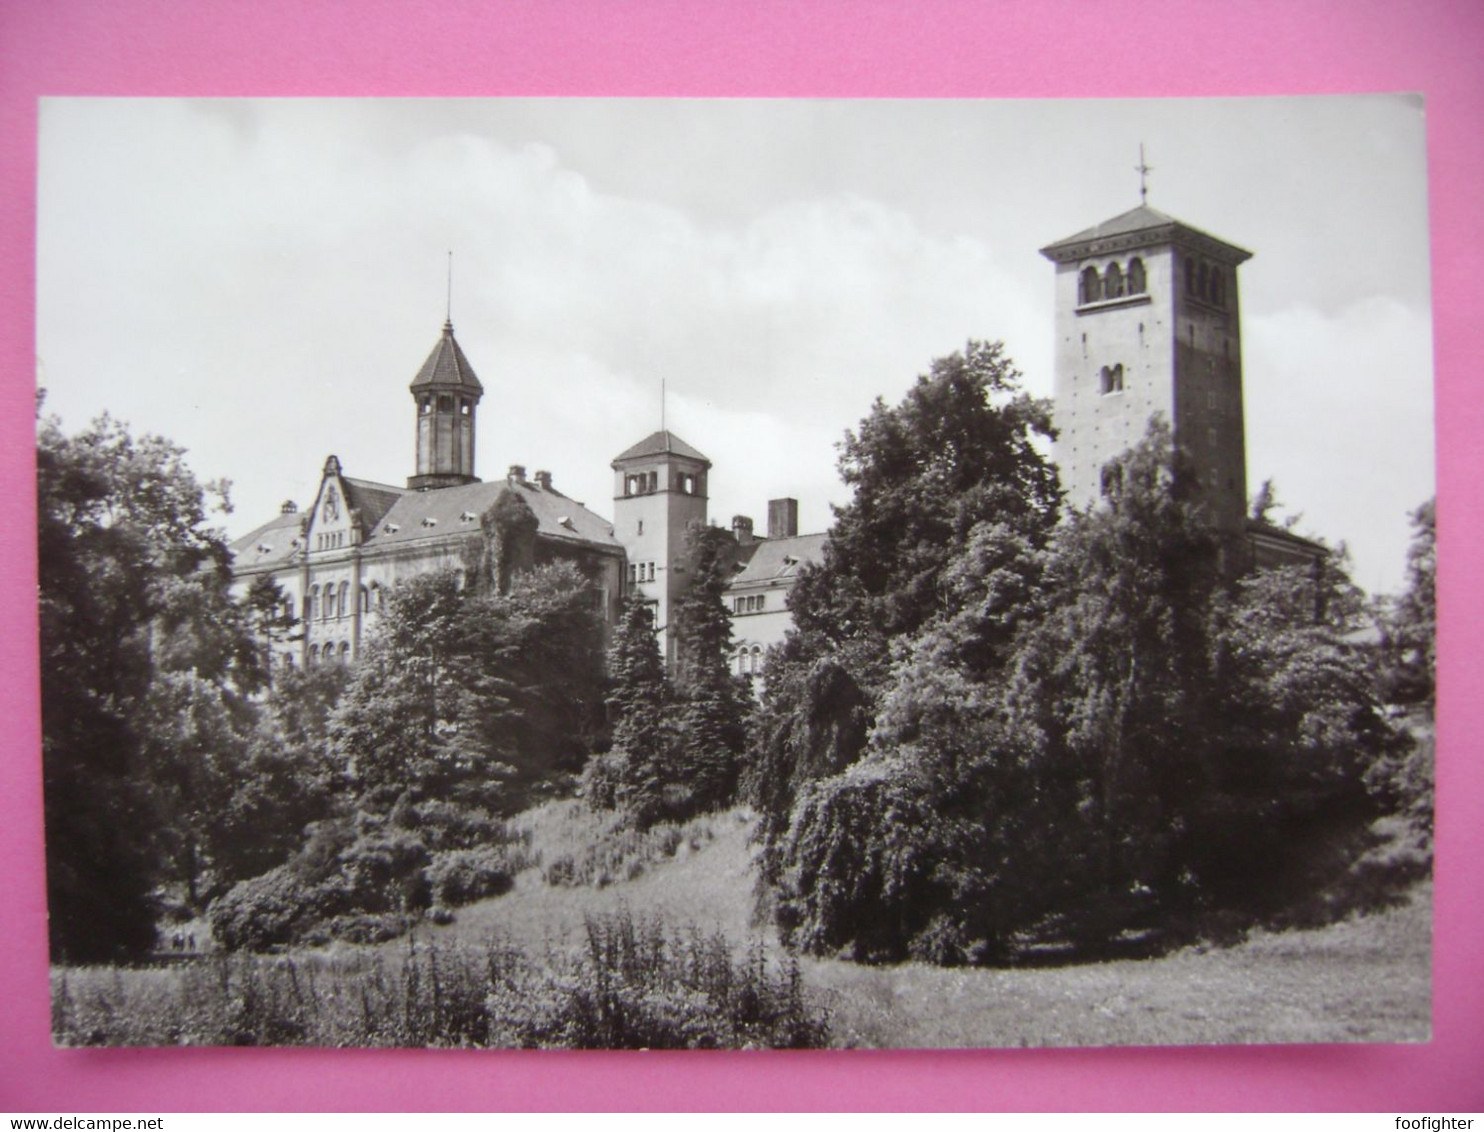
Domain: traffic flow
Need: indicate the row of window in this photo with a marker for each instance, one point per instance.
(332, 603)
(641, 572)
(330, 654)
(1112, 283)
(446, 405)
(1205, 281)
(748, 604)
(329, 540)
(749, 660)
(647, 483)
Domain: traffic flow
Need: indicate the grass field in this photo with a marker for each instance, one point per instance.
(1366, 979)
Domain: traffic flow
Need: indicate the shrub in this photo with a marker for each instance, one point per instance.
(627, 985)
(459, 876)
(257, 914)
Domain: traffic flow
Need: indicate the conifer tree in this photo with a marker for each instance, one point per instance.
(714, 705)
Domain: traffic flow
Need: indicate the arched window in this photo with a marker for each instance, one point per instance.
(344, 652)
(311, 603)
(313, 654)
(365, 600)
(1203, 283)
(742, 661)
(1190, 277)
(1112, 378)
(757, 658)
(1218, 286)
(343, 606)
(1136, 276)
(1091, 288)
(1113, 282)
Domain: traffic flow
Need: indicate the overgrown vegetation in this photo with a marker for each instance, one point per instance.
(629, 984)
(1002, 739)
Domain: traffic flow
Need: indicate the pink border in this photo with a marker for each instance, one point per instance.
(842, 48)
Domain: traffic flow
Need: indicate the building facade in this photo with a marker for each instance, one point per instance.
(337, 559)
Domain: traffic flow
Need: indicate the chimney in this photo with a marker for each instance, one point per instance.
(516, 474)
(543, 480)
(289, 507)
(783, 518)
(742, 529)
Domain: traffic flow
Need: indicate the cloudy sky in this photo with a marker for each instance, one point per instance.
(260, 280)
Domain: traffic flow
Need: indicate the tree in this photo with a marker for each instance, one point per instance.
(1115, 680)
(713, 702)
(126, 559)
(960, 450)
(941, 484)
(479, 698)
(1413, 624)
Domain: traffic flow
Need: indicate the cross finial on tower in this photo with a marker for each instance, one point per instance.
(1143, 169)
(662, 404)
(448, 302)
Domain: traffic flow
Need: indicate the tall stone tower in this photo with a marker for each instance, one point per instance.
(659, 492)
(1147, 321)
(446, 393)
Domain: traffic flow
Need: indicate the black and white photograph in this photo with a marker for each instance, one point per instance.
(736, 574)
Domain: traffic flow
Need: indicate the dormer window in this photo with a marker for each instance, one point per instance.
(429, 521)
(391, 528)
(467, 516)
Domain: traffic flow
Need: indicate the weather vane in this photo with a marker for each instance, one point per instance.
(1143, 169)
(448, 308)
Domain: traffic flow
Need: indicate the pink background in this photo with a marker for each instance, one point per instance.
(838, 48)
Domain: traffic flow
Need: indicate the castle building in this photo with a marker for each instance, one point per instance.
(336, 560)
(1148, 321)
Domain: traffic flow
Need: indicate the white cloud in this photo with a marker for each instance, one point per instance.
(1339, 407)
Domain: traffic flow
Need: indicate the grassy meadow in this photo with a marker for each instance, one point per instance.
(619, 939)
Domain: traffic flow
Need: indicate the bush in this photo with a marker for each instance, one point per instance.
(628, 985)
(460, 876)
(259, 913)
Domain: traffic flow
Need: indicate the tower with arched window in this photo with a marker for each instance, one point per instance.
(446, 394)
(659, 492)
(1147, 322)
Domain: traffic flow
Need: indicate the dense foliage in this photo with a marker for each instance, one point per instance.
(146, 664)
(1083, 739)
(485, 699)
(677, 745)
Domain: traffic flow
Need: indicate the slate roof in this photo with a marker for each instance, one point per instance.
(660, 443)
(1263, 529)
(767, 563)
(270, 545)
(372, 500)
(1140, 219)
(420, 515)
(446, 365)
